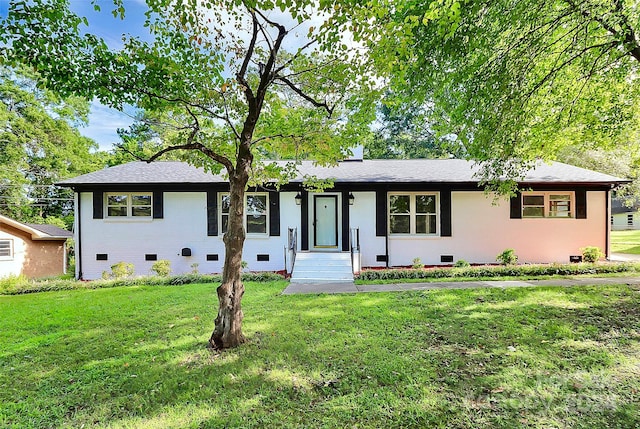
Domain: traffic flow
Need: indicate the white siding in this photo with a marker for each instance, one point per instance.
(362, 214)
(621, 221)
(12, 266)
(481, 230)
(184, 225)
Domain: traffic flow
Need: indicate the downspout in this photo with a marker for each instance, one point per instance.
(607, 224)
(78, 222)
(386, 230)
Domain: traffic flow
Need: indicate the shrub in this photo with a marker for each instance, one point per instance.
(461, 263)
(122, 270)
(417, 263)
(162, 267)
(194, 268)
(591, 254)
(499, 271)
(9, 285)
(507, 257)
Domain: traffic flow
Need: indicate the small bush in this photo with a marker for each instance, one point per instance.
(194, 268)
(162, 267)
(507, 257)
(417, 263)
(461, 263)
(591, 254)
(122, 270)
(9, 285)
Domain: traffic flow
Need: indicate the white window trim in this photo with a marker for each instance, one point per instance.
(547, 200)
(11, 250)
(412, 214)
(244, 217)
(129, 206)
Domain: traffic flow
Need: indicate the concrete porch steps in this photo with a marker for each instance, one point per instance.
(325, 267)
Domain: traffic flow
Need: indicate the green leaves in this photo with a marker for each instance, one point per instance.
(39, 146)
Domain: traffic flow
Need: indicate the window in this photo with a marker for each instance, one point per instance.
(255, 209)
(547, 204)
(6, 249)
(630, 219)
(129, 205)
(413, 214)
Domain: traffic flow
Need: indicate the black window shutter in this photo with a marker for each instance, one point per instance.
(274, 214)
(445, 213)
(158, 204)
(304, 221)
(212, 213)
(381, 213)
(581, 204)
(345, 221)
(516, 206)
(98, 204)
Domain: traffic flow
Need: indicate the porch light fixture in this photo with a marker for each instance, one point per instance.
(298, 199)
(352, 199)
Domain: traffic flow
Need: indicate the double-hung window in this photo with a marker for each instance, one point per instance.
(255, 211)
(6, 249)
(413, 213)
(129, 204)
(548, 204)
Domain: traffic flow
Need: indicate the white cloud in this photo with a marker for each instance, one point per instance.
(103, 123)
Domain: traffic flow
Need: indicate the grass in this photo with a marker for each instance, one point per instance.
(625, 241)
(135, 357)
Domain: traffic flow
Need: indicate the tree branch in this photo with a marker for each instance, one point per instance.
(301, 93)
(291, 136)
(241, 75)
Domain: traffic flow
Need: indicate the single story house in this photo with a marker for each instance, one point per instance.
(623, 217)
(392, 210)
(32, 250)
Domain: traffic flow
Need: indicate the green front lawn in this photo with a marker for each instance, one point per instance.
(134, 357)
(625, 242)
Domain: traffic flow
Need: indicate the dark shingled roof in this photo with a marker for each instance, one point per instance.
(51, 230)
(367, 171)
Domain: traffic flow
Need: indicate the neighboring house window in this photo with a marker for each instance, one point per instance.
(6, 249)
(630, 219)
(131, 204)
(255, 210)
(413, 214)
(547, 204)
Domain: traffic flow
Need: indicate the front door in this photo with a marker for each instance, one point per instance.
(325, 221)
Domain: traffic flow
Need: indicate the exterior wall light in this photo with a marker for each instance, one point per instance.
(352, 199)
(298, 199)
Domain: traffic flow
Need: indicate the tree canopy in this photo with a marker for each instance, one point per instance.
(512, 82)
(39, 145)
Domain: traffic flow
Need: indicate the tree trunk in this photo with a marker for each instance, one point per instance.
(228, 329)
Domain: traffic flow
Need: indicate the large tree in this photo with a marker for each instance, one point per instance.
(219, 79)
(513, 81)
(39, 145)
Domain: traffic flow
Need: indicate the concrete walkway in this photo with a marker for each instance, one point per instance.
(317, 288)
(624, 257)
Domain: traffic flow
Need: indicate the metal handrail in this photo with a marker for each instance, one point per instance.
(292, 245)
(354, 246)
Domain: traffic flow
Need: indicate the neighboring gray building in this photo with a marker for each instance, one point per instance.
(624, 217)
